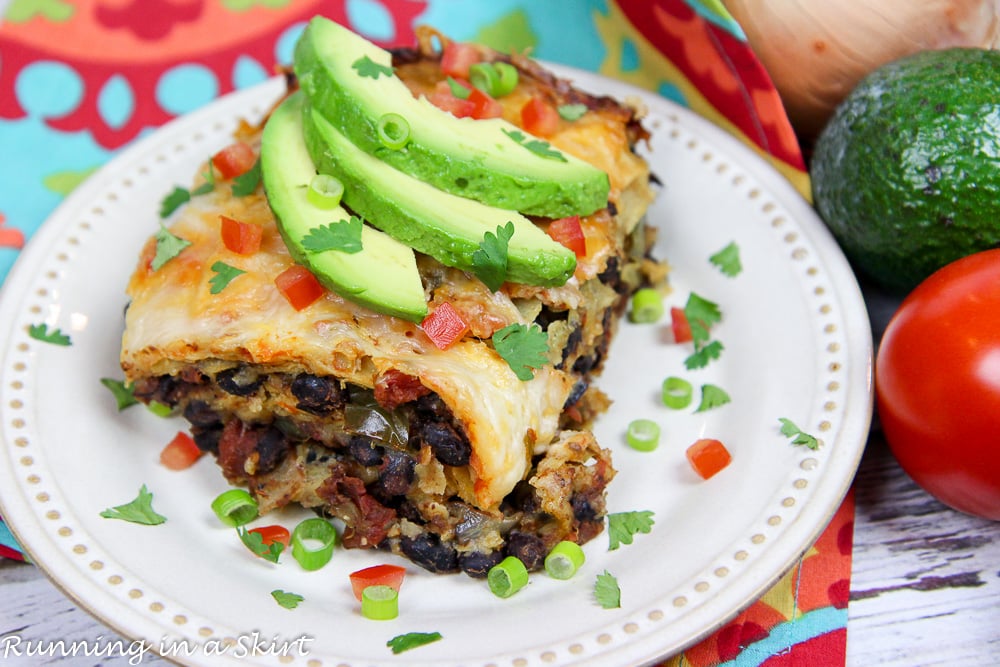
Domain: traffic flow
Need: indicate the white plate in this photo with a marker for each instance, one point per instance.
(797, 345)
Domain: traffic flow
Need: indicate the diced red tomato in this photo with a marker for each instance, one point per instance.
(445, 326)
(484, 106)
(568, 232)
(539, 117)
(708, 456)
(243, 238)
(457, 58)
(299, 286)
(271, 534)
(180, 453)
(377, 575)
(234, 160)
(444, 99)
(680, 325)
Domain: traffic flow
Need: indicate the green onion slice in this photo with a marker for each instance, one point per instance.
(325, 191)
(643, 435)
(160, 409)
(647, 306)
(380, 603)
(484, 77)
(507, 78)
(507, 577)
(393, 131)
(677, 393)
(310, 556)
(235, 507)
(564, 560)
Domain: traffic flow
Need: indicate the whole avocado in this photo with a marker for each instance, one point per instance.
(906, 174)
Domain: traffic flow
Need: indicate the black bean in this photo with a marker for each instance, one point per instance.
(427, 551)
(207, 439)
(582, 509)
(396, 474)
(238, 381)
(579, 389)
(528, 548)
(317, 395)
(272, 446)
(365, 450)
(200, 413)
(450, 447)
(477, 564)
(430, 407)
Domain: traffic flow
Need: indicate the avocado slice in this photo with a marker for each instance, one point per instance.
(382, 276)
(350, 81)
(432, 221)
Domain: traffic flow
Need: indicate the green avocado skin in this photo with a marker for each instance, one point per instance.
(540, 186)
(906, 174)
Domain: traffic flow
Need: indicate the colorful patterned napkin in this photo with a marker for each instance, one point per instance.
(80, 79)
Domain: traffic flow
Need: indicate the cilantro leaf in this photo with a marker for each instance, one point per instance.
(571, 112)
(286, 599)
(366, 67)
(712, 397)
(607, 591)
(536, 146)
(173, 201)
(490, 260)
(168, 246)
(458, 90)
(139, 510)
(344, 235)
(622, 526)
(701, 315)
(522, 348)
(799, 437)
(123, 392)
(224, 274)
(255, 543)
(704, 355)
(209, 183)
(727, 260)
(401, 643)
(43, 333)
(246, 183)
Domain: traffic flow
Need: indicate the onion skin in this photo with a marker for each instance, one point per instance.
(816, 51)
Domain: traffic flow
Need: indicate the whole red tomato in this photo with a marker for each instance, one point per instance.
(937, 378)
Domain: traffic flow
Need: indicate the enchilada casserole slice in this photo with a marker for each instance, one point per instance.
(447, 457)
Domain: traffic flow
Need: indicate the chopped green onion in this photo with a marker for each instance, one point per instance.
(393, 131)
(508, 78)
(312, 557)
(564, 560)
(235, 507)
(507, 577)
(494, 79)
(325, 191)
(380, 603)
(643, 435)
(647, 306)
(677, 393)
(458, 90)
(160, 409)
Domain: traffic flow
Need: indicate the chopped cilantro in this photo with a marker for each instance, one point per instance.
(703, 355)
(622, 526)
(799, 437)
(173, 201)
(168, 246)
(139, 510)
(366, 67)
(209, 183)
(490, 260)
(571, 112)
(458, 90)
(43, 333)
(712, 397)
(344, 235)
(224, 274)
(255, 542)
(246, 183)
(727, 260)
(286, 599)
(536, 146)
(607, 591)
(522, 348)
(123, 392)
(401, 643)
(701, 314)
